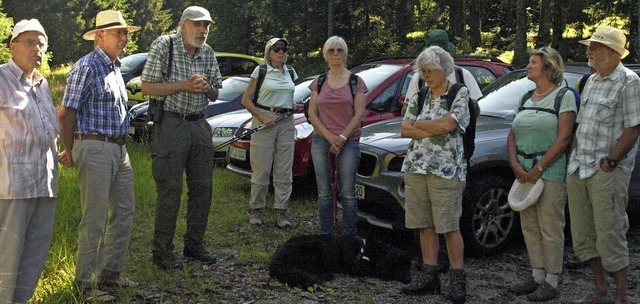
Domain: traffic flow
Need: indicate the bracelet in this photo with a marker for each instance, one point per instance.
(343, 137)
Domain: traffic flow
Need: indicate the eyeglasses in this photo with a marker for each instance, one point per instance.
(543, 49)
(119, 33)
(334, 50)
(277, 49)
(31, 43)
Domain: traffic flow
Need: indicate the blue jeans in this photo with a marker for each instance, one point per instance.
(347, 164)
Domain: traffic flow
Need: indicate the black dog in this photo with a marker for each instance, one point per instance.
(307, 260)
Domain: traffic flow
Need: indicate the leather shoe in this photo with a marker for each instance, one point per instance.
(200, 254)
(167, 261)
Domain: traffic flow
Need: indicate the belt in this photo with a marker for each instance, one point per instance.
(120, 141)
(530, 155)
(274, 110)
(188, 117)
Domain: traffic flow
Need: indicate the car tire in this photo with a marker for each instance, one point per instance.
(488, 224)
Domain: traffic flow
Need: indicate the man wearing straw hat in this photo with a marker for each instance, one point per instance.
(94, 122)
(183, 70)
(601, 164)
(28, 168)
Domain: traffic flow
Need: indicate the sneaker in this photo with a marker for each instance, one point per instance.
(544, 292)
(254, 217)
(527, 286)
(594, 298)
(281, 219)
(199, 254)
(167, 261)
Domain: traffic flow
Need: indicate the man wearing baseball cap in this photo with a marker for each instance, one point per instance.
(183, 73)
(600, 167)
(94, 122)
(28, 164)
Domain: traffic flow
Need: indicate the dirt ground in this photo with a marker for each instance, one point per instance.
(488, 279)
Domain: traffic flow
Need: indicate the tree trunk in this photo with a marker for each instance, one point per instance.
(544, 27)
(330, 21)
(559, 23)
(520, 50)
(456, 19)
(473, 20)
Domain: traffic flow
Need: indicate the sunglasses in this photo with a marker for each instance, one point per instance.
(338, 50)
(277, 49)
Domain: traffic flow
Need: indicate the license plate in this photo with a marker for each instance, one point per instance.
(237, 153)
(360, 191)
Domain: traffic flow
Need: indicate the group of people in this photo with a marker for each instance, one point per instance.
(182, 71)
(92, 122)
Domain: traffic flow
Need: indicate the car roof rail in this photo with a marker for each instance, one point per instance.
(389, 58)
(477, 57)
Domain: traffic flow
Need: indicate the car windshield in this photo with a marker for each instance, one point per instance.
(132, 61)
(374, 74)
(233, 88)
(502, 97)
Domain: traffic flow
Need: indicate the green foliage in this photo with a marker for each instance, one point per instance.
(6, 26)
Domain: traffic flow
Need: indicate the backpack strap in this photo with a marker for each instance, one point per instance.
(321, 79)
(262, 73)
(422, 94)
(451, 94)
(353, 81)
(459, 75)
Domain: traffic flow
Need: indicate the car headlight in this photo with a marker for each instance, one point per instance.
(303, 130)
(224, 131)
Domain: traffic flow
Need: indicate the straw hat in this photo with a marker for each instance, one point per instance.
(611, 37)
(27, 26)
(108, 20)
(521, 196)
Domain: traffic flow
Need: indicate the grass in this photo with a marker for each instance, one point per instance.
(228, 231)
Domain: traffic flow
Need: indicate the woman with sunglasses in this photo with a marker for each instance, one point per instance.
(537, 142)
(336, 114)
(273, 146)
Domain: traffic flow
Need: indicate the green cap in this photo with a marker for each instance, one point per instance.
(440, 38)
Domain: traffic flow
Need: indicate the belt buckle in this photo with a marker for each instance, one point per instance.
(185, 116)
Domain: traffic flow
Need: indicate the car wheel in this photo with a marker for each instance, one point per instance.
(488, 224)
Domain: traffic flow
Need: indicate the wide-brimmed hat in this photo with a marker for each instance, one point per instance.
(196, 13)
(108, 20)
(611, 37)
(28, 26)
(523, 195)
(440, 38)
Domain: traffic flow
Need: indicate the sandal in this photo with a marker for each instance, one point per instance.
(96, 295)
(121, 282)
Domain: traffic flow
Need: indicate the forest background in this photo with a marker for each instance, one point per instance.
(372, 28)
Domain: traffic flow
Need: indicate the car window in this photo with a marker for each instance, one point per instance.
(483, 76)
(233, 88)
(240, 66)
(385, 98)
(132, 62)
(407, 80)
(375, 74)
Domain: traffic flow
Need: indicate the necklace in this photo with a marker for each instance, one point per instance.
(545, 93)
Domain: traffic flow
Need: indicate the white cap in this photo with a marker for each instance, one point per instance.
(521, 196)
(27, 26)
(196, 13)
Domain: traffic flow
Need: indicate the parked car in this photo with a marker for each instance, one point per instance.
(488, 224)
(228, 100)
(387, 80)
(132, 65)
(231, 64)
(225, 126)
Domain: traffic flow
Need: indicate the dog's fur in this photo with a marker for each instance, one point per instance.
(307, 260)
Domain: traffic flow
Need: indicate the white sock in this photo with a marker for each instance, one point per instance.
(552, 279)
(538, 275)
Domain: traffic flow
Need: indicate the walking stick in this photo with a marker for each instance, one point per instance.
(334, 188)
(251, 131)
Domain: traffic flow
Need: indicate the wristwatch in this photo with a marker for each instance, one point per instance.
(539, 168)
(611, 162)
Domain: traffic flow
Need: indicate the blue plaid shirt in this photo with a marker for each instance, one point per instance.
(96, 90)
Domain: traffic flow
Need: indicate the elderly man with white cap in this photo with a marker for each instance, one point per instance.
(28, 169)
(601, 164)
(94, 122)
(183, 72)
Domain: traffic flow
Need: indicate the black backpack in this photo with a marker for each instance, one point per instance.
(261, 74)
(469, 136)
(353, 82)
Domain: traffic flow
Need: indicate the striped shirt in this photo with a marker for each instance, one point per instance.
(608, 105)
(203, 62)
(28, 136)
(96, 90)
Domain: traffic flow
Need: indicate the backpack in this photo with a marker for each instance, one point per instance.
(469, 136)
(353, 82)
(262, 73)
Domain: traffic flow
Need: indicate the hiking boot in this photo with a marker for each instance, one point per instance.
(281, 219)
(166, 261)
(254, 216)
(594, 298)
(457, 286)
(199, 254)
(527, 286)
(545, 292)
(424, 280)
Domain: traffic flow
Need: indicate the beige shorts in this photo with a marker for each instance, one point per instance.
(433, 201)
